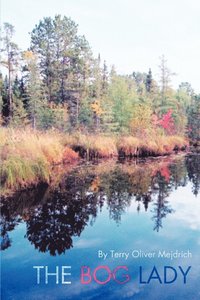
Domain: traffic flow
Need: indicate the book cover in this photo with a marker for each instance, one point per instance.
(100, 150)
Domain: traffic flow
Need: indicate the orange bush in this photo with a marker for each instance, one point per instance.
(69, 155)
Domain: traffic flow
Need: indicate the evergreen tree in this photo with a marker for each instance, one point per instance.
(194, 119)
(105, 79)
(19, 117)
(187, 88)
(35, 98)
(148, 82)
(1, 99)
(9, 60)
(123, 97)
(96, 104)
(63, 57)
(5, 100)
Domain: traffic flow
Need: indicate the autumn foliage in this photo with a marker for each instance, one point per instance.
(69, 155)
(166, 121)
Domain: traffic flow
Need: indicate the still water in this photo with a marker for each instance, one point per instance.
(130, 211)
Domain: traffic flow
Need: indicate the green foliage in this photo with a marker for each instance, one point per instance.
(85, 114)
(149, 82)
(53, 118)
(194, 119)
(16, 172)
(62, 86)
(19, 117)
(35, 98)
(19, 113)
(141, 121)
(64, 60)
(46, 118)
(10, 60)
(122, 98)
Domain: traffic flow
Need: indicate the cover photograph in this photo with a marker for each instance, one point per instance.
(100, 149)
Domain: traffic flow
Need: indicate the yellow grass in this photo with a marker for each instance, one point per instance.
(93, 145)
(27, 156)
(128, 144)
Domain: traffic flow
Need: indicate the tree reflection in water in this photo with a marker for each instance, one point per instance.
(54, 216)
(8, 223)
(161, 205)
(193, 169)
(52, 226)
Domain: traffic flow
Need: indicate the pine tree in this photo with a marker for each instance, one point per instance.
(149, 82)
(194, 119)
(63, 59)
(35, 99)
(1, 99)
(19, 117)
(9, 60)
(97, 92)
(5, 100)
(104, 79)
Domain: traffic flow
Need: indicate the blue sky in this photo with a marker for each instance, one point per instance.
(131, 34)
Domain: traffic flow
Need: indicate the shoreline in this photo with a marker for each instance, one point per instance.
(30, 157)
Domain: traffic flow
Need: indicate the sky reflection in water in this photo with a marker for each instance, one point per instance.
(147, 206)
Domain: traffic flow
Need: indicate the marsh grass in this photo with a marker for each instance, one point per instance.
(91, 146)
(150, 146)
(19, 172)
(28, 157)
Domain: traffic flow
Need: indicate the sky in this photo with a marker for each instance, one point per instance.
(131, 34)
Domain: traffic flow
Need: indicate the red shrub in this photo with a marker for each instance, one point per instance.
(69, 155)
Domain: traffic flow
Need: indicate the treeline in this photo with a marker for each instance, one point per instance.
(58, 83)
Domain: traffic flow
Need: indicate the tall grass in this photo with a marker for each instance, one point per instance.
(20, 172)
(91, 146)
(27, 156)
(128, 146)
(152, 146)
(102, 146)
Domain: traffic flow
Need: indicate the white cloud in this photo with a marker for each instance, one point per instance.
(89, 243)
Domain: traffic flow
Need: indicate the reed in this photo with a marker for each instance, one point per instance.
(28, 157)
(17, 172)
(128, 146)
(92, 146)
